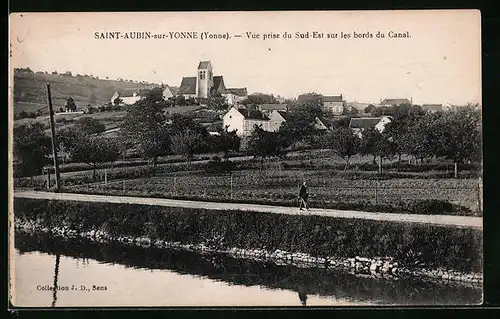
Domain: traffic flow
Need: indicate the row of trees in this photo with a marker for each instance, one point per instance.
(454, 135)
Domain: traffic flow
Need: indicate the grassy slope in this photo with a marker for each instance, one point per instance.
(30, 93)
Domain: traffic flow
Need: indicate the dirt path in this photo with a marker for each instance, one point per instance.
(459, 221)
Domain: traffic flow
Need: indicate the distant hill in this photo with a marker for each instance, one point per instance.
(30, 93)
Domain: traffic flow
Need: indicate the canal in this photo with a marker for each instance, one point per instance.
(87, 273)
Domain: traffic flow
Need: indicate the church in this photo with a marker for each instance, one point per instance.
(205, 84)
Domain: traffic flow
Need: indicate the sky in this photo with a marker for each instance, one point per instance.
(439, 63)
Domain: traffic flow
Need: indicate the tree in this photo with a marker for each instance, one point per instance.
(31, 147)
(145, 127)
(460, 136)
(349, 110)
(258, 99)
(95, 151)
(225, 142)
(311, 99)
(70, 104)
(187, 136)
(117, 101)
(263, 144)
(300, 123)
(369, 108)
(217, 102)
(90, 125)
(423, 138)
(343, 142)
(379, 144)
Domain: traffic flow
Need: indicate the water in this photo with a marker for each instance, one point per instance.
(134, 276)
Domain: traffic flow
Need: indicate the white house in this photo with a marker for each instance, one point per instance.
(244, 120)
(127, 98)
(276, 118)
(359, 124)
(168, 92)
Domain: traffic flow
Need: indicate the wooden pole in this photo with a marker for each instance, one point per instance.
(105, 176)
(54, 144)
(231, 185)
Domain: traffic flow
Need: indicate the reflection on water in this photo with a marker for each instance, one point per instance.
(118, 275)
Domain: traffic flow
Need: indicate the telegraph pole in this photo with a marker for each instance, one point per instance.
(54, 144)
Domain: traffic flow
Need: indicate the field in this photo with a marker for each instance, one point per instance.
(282, 185)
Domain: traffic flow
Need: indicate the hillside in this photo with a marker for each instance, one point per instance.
(30, 93)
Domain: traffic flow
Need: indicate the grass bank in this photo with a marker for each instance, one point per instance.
(411, 245)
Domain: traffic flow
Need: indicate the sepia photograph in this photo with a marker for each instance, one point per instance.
(245, 159)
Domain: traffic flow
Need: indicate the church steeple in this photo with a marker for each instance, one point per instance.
(204, 79)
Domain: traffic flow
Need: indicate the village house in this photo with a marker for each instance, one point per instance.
(235, 95)
(359, 124)
(243, 121)
(205, 84)
(168, 92)
(128, 97)
(277, 117)
(334, 103)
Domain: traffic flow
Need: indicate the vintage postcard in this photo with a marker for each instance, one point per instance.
(262, 159)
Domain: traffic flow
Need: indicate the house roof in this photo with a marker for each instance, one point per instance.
(283, 114)
(253, 115)
(332, 98)
(218, 84)
(432, 107)
(188, 85)
(364, 122)
(273, 106)
(238, 91)
(203, 64)
(395, 101)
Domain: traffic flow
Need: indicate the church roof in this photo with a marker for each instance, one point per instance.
(218, 84)
(203, 64)
(188, 85)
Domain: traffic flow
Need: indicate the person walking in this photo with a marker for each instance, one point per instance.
(303, 196)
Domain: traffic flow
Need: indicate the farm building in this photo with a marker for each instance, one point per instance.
(235, 95)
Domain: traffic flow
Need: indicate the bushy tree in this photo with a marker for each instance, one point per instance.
(31, 146)
(258, 99)
(146, 129)
(460, 136)
(70, 104)
(217, 102)
(187, 137)
(343, 142)
(225, 142)
(263, 144)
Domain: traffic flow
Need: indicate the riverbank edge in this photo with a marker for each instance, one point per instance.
(378, 267)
